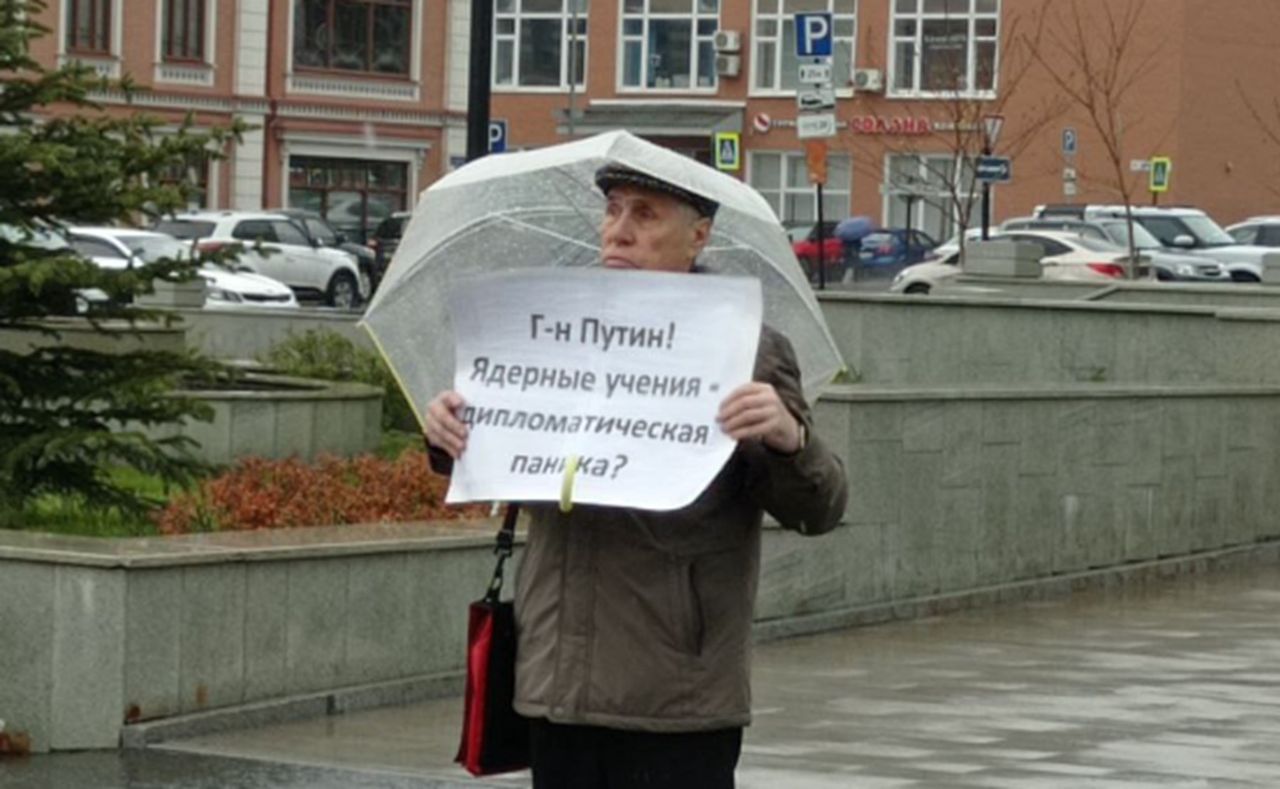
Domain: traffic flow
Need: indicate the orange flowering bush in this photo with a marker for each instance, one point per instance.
(274, 494)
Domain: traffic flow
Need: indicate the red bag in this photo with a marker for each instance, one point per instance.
(495, 738)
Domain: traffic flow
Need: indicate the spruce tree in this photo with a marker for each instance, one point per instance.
(69, 416)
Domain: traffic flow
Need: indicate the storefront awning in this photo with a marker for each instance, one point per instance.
(653, 119)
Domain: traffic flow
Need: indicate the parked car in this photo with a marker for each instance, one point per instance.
(323, 234)
(1262, 231)
(1065, 256)
(1178, 228)
(1169, 266)
(386, 239)
(47, 240)
(804, 243)
(891, 248)
(121, 248)
(275, 246)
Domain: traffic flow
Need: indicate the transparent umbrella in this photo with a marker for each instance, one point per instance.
(542, 208)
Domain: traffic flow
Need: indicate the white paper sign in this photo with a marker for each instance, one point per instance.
(622, 370)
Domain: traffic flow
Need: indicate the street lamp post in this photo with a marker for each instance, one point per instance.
(991, 126)
(480, 75)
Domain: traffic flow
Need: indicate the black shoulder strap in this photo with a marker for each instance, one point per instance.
(504, 546)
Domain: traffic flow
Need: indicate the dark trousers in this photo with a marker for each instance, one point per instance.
(591, 757)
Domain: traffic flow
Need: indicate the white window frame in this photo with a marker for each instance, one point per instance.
(890, 192)
(843, 83)
(188, 73)
(807, 191)
(517, 15)
(107, 65)
(919, 16)
(693, 16)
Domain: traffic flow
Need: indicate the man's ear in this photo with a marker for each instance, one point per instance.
(701, 234)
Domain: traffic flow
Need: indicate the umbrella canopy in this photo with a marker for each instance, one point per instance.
(852, 229)
(542, 208)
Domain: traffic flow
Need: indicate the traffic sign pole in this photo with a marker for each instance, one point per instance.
(822, 243)
(991, 127)
(815, 100)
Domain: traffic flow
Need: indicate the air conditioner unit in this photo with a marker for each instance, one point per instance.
(869, 80)
(728, 65)
(728, 41)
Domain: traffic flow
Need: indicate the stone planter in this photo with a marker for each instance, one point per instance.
(274, 416)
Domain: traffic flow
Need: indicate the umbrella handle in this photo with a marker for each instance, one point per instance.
(566, 484)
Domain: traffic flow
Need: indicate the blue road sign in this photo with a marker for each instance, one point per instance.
(1069, 142)
(813, 35)
(497, 136)
(993, 168)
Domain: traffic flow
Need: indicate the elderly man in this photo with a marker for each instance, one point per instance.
(635, 626)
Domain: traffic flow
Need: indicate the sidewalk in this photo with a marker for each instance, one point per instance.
(1174, 685)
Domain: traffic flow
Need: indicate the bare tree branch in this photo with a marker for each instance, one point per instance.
(1096, 62)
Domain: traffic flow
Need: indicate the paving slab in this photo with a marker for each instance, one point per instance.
(1172, 684)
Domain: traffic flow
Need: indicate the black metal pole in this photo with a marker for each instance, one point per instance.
(822, 242)
(480, 75)
(986, 202)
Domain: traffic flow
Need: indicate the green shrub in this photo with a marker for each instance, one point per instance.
(329, 356)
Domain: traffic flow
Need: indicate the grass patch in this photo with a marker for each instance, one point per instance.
(72, 516)
(395, 442)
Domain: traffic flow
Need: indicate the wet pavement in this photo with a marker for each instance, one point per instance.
(1175, 684)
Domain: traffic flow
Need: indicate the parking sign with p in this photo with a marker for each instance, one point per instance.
(813, 35)
(497, 136)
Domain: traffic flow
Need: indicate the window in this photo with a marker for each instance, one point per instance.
(1246, 235)
(369, 36)
(195, 176)
(182, 30)
(254, 230)
(918, 193)
(532, 40)
(669, 44)
(783, 179)
(775, 40)
(944, 46)
(353, 194)
(185, 229)
(89, 26)
(95, 248)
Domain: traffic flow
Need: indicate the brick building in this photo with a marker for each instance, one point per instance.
(351, 101)
(361, 103)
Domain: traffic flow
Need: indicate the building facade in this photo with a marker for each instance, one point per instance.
(359, 104)
(678, 71)
(350, 103)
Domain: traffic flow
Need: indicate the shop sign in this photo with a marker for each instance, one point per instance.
(875, 124)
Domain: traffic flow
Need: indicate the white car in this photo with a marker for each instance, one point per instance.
(1066, 256)
(274, 245)
(119, 248)
(1180, 229)
(1261, 231)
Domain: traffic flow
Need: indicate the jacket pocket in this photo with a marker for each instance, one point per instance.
(688, 604)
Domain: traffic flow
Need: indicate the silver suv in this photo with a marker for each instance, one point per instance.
(1181, 229)
(274, 246)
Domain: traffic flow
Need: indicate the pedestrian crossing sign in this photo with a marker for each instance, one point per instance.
(728, 147)
(1159, 174)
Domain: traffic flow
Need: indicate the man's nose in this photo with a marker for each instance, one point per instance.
(619, 229)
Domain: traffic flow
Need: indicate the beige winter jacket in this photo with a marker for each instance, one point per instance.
(642, 620)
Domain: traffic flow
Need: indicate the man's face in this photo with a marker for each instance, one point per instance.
(650, 231)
